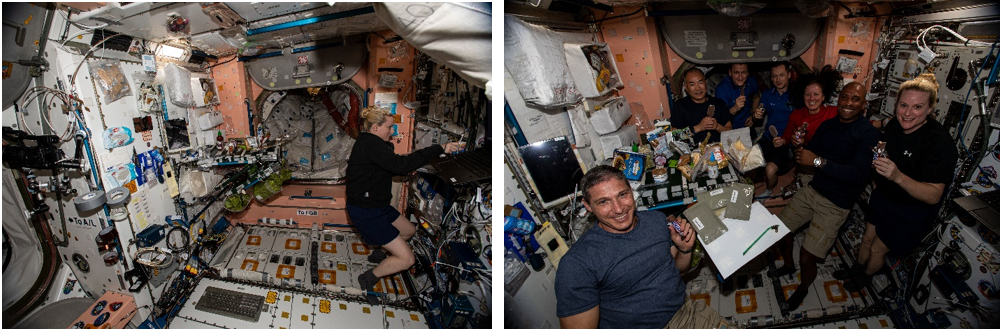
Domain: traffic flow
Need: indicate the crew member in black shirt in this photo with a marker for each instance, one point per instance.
(691, 111)
(840, 152)
(371, 168)
(910, 184)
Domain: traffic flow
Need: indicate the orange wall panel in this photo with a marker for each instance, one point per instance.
(634, 42)
(857, 34)
(231, 84)
(379, 57)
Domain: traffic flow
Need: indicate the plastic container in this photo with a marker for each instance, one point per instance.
(518, 225)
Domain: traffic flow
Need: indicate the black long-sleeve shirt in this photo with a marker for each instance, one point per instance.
(689, 114)
(847, 150)
(373, 164)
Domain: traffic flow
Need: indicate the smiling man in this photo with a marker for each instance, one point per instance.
(741, 94)
(625, 271)
(691, 111)
(841, 154)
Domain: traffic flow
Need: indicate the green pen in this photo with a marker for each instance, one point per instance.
(775, 228)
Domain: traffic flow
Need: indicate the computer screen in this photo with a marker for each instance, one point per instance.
(554, 168)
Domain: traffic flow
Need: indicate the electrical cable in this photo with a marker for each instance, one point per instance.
(617, 16)
(178, 248)
(65, 17)
(921, 37)
(964, 132)
(224, 62)
(163, 260)
(73, 78)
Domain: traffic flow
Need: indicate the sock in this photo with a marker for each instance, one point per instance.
(853, 286)
(784, 271)
(377, 256)
(858, 270)
(796, 298)
(845, 274)
(367, 281)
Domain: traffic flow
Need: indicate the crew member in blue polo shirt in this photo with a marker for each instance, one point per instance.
(740, 94)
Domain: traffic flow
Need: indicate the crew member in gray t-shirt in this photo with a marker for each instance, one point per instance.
(625, 271)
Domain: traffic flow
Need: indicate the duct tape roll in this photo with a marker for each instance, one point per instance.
(89, 201)
(118, 197)
(110, 258)
(119, 214)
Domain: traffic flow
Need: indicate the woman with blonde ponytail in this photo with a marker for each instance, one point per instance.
(371, 167)
(910, 183)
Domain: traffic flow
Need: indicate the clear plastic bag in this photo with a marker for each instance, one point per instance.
(110, 79)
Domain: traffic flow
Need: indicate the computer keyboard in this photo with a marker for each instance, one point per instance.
(992, 198)
(229, 303)
(478, 162)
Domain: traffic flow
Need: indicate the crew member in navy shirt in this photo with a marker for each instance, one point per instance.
(691, 111)
(841, 154)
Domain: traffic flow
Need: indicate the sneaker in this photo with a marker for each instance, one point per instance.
(765, 195)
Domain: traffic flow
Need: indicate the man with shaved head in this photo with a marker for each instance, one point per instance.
(841, 153)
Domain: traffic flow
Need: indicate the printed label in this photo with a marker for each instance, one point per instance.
(307, 212)
(734, 196)
(716, 192)
(834, 290)
(695, 38)
(698, 223)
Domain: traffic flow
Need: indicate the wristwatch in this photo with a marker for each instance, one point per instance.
(818, 162)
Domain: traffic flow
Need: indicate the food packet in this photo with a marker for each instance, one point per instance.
(879, 151)
(110, 79)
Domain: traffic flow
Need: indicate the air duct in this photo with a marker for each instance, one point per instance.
(814, 8)
(735, 8)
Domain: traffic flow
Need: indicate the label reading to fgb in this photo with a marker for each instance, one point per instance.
(307, 212)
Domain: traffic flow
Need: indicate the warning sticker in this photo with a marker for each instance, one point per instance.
(695, 38)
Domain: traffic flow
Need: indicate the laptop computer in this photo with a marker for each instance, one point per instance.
(984, 208)
(462, 168)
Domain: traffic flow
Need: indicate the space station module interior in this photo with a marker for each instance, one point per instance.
(689, 99)
(183, 164)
